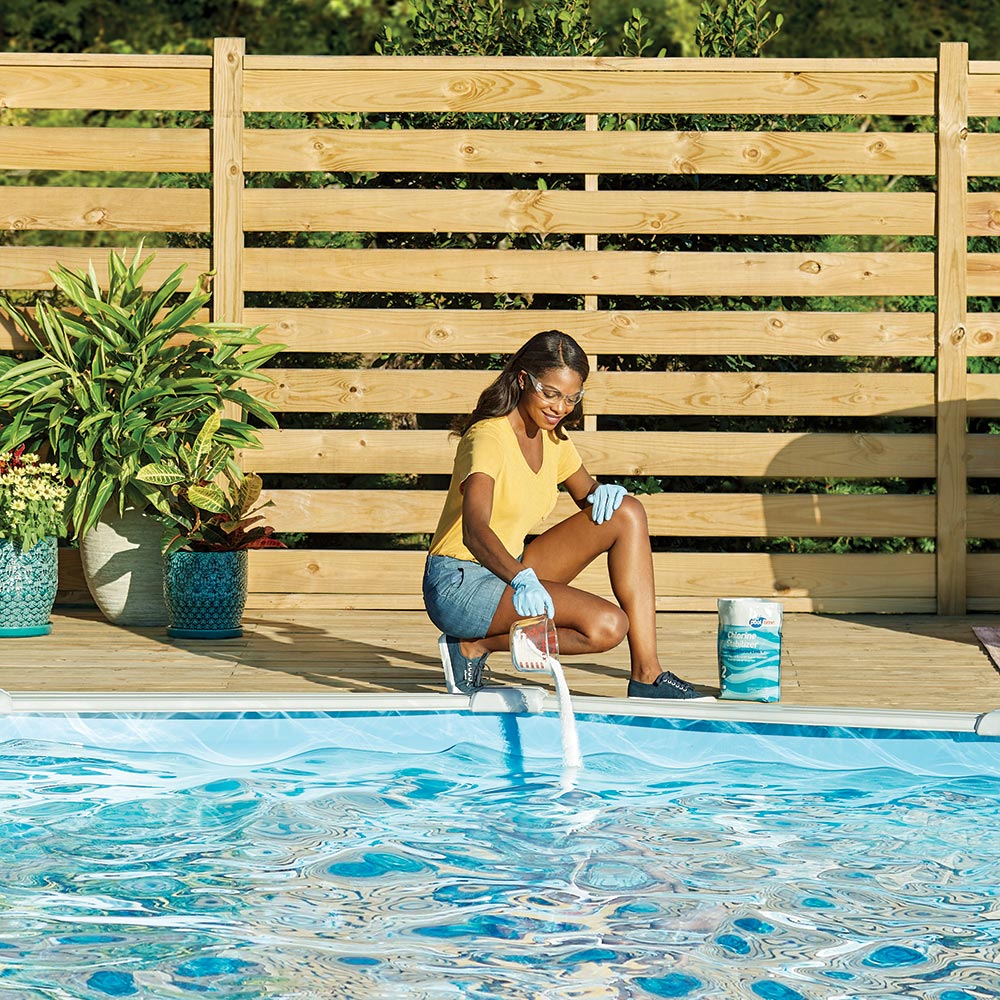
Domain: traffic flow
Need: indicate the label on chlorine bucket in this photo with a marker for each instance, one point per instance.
(749, 644)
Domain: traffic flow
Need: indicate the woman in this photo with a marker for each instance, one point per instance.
(480, 577)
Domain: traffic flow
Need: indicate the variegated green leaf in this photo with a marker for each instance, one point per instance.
(160, 474)
(210, 498)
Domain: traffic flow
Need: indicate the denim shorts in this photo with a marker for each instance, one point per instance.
(461, 596)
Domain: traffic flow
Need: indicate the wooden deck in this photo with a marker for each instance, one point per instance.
(883, 661)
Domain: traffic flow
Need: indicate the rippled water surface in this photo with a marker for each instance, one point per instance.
(346, 874)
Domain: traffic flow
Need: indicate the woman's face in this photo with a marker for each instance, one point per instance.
(548, 396)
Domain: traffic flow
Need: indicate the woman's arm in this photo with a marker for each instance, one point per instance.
(530, 597)
(477, 535)
(605, 497)
(580, 485)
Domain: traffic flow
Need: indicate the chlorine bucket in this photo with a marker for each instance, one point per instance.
(749, 643)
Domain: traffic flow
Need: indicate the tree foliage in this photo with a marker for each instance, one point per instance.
(854, 29)
(814, 28)
(493, 28)
(735, 28)
(289, 27)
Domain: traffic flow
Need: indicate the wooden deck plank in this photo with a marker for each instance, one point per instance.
(889, 661)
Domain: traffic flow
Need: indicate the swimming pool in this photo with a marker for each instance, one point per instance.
(431, 852)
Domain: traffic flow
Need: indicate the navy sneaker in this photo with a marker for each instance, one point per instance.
(461, 675)
(667, 685)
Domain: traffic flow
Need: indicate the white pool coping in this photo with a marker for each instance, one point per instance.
(531, 700)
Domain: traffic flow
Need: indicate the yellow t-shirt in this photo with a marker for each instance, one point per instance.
(521, 498)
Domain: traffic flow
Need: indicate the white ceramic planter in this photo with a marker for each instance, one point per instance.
(123, 569)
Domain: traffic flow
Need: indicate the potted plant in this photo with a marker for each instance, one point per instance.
(120, 378)
(210, 526)
(32, 500)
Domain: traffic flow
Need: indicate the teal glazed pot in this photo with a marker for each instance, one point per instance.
(28, 582)
(205, 593)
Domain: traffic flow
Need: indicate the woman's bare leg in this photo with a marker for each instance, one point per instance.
(587, 623)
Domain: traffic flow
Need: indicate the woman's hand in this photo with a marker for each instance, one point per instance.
(530, 597)
(607, 498)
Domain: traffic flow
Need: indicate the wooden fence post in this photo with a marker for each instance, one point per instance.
(950, 385)
(227, 179)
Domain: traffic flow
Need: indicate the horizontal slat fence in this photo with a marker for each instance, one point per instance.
(582, 204)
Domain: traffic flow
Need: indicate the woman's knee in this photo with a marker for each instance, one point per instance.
(633, 514)
(607, 628)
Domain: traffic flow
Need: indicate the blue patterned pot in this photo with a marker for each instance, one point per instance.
(205, 593)
(28, 582)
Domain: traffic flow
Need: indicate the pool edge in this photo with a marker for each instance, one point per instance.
(24, 702)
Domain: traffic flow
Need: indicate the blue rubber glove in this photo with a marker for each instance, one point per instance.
(530, 597)
(607, 498)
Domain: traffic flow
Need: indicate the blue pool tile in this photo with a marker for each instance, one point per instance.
(598, 956)
(814, 902)
(374, 865)
(673, 984)
(956, 995)
(734, 943)
(481, 925)
(113, 984)
(891, 956)
(640, 908)
(539, 961)
(770, 990)
(225, 785)
(753, 925)
(358, 960)
(213, 966)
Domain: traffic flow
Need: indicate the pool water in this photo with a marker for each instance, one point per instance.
(352, 872)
